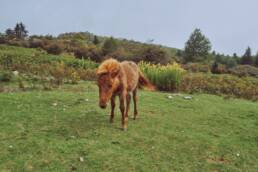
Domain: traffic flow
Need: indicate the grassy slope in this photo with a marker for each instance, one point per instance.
(204, 134)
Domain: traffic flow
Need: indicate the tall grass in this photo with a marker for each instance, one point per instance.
(166, 77)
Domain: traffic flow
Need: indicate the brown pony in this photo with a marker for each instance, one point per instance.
(120, 79)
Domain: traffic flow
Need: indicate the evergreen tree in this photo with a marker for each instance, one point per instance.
(247, 58)
(20, 31)
(10, 33)
(197, 47)
(256, 60)
(95, 40)
(214, 67)
(236, 58)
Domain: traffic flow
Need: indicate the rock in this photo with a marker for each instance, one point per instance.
(188, 97)
(54, 104)
(170, 97)
(81, 159)
(15, 73)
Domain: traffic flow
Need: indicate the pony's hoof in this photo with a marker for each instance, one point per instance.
(124, 129)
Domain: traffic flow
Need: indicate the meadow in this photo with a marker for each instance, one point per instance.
(50, 119)
(64, 130)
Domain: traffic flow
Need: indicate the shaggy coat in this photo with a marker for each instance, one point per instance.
(120, 79)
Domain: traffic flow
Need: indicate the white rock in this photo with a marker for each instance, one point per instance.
(81, 159)
(54, 104)
(16, 73)
(188, 97)
(170, 97)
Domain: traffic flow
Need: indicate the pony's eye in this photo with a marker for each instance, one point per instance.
(109, 85)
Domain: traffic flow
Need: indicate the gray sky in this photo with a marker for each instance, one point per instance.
(231, 25)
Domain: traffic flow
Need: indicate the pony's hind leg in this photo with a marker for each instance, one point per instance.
(135, 99)
(113, 104)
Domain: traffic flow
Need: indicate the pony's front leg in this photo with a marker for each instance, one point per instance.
(113, 104)
(122, 109)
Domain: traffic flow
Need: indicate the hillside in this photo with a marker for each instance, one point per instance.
(64, 130)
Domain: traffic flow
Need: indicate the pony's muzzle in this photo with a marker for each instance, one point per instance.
(102, 105)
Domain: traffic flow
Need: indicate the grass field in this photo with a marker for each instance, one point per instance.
(64, 130)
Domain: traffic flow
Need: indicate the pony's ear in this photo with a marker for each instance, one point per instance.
(101, 72)
(115, 72)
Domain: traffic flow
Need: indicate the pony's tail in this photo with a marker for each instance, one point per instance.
(144, 82)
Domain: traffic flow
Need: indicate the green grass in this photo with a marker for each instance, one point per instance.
(51, 130)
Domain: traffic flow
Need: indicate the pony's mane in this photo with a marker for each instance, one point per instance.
(108, 66)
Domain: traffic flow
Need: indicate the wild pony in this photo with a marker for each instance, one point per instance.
(120, 79)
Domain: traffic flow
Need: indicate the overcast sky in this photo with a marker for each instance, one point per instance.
(231, 25)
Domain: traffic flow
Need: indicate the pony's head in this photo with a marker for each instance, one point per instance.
(107, 80)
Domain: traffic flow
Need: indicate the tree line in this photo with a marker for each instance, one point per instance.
(86, 45)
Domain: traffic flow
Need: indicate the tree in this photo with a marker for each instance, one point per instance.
(95, 40)
(256, 60)
(20, 31)
(214, 67)
(247, 58)
(110, 45)
(231, 62)
(197, 47)
(10, 33)
(236, 58)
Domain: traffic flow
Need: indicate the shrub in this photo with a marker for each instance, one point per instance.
(166, 77)
(91, 52)
(197, 67)
(88, 74)
(155, 55)
(245, 87)
(36, 43)
(217, 68)
(5, 76)
(244, 70)
(54, 48)
(72, 76)
(120, 54)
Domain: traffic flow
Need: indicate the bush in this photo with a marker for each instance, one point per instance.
(5, 76)
(120, 54)
(36, 43)
(217, 68)
(166, 78)
(55, 48)
(91, 52)
(155, 55)
(196, 67)
(245, 87)
(87, 75)
(244, 70)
